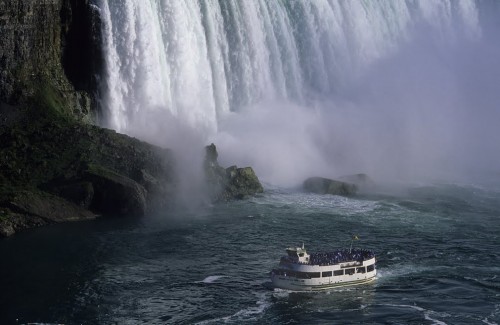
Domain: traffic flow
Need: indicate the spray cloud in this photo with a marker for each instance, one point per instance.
(401, 90)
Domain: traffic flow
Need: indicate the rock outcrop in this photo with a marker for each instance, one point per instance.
(55, 170)
(230, 183)
(322, 185)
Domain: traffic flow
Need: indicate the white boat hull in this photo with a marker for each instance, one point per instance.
(296, 284)
(306, 277)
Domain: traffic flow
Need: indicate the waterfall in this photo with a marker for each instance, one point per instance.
(200, 63)
(199, 60)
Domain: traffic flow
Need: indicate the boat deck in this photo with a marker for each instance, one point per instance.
(332, 258)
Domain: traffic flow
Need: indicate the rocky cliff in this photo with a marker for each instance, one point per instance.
(48, 45)
(55, 169)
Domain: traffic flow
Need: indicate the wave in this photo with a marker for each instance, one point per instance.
(212, 278)
(251, 313)
(428, 314)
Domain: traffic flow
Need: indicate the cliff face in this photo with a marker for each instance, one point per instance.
(48, 44)
(53, 169)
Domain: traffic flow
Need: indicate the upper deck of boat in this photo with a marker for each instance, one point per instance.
(330, 258)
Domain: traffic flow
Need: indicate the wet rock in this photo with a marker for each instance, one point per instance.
(11, 222)
(322, 185)
(47, 207)
(230, 183)
(362, 181)
(78, 164)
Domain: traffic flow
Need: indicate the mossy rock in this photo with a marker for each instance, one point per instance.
(230, 183)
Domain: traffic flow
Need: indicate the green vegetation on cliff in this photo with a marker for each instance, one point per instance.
(46, 155)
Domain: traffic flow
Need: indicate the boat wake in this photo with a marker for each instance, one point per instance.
(428, 314)
(251, 313)
(399, 271)
(212, 278)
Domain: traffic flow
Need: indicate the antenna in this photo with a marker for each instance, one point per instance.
(353, 238)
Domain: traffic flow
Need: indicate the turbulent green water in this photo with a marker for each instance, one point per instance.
(437, 249)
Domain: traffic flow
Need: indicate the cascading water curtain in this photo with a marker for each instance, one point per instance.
(196, 61)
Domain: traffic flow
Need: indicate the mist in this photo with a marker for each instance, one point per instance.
(161, 128)
(427, 112)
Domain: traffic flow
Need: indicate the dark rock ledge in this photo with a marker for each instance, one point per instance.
(56, 170)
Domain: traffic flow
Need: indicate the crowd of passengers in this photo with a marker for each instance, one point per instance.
(335, 257)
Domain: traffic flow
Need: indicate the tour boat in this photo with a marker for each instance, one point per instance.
(300, 271)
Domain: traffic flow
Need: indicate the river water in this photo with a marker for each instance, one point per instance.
(436, 245)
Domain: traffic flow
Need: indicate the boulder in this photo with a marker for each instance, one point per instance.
(230, 183)
(241, 182)
(115, 194)
(322, 185)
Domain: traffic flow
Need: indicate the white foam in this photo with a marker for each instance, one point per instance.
(212, 278)
(427, 313)
(250, 313)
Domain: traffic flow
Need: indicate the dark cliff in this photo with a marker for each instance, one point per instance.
(48, 45)
(54, 165)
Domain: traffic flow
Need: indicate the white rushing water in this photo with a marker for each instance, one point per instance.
(295, 88)
(198, 60)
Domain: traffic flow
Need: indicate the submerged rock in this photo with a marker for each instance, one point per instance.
(322, 185)
(362, 181)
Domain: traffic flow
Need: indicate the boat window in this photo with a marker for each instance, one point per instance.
(300, 275)
(338, 272)
(370, 268)
(349, 271)
(314, 274)
(326, 274)
(360, 270)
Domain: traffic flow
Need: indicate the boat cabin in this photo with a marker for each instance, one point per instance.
(298, 254)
